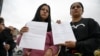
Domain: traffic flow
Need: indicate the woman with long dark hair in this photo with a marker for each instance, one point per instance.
(42, 15)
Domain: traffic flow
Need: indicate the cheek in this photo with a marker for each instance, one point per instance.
(71, 12)
(81, 12)
(40, 13)
(47, 14)
(0, 28)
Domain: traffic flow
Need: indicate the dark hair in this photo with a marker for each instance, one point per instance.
(80, 4)
(1, 20)
(38, 17)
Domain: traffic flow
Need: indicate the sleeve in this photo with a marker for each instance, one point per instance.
(18, 39)
(25, 50)
(93, 41)
(8, 36)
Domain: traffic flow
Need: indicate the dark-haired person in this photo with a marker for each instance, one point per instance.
(86, 31)
(5, 38)
(14, 32)
(42, 15)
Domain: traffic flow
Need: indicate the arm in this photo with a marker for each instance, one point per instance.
(9, 42)
(18, 39)
(23, 29)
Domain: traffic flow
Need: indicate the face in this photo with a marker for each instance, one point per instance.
(1, 26)
(76, 10)
(44, 12)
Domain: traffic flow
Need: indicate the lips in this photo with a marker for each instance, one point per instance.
(75, 11)
(43, 14)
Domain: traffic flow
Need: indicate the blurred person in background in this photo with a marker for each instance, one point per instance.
(5, 38)
(14, 32)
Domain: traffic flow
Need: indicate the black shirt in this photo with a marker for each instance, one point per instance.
(5, 37)
(87, 33)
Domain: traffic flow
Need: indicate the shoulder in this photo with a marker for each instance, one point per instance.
(6, 30)
(92, 23)
(89, 19)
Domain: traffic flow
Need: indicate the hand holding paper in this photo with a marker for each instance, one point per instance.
(62, 32)
(35, 37)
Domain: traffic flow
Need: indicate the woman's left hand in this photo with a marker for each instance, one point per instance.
(58, 21)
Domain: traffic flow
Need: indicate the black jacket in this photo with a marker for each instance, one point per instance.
(5, 37)
(87, 33)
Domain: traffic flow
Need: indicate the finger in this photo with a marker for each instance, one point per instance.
(24, 29)
(62, 44)
(58, 21)
(67, 41)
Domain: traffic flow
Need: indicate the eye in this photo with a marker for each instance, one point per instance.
(78, 6)
(43, 9)
(73, 7)
(47, 10)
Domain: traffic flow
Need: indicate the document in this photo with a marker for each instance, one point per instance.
(62, 32)
(35, 37)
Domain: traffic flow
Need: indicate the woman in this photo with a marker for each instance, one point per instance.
(42, 15)
(86, 31)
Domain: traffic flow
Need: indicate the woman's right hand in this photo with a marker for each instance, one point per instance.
(24, 29)
(49, 52)
(27, 53)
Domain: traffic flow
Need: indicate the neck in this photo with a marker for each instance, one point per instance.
(43, 20)
(76, 19)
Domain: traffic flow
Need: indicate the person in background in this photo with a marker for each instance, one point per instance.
(14, 33)
(42, 15)
(5, 38)
(86, 31)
